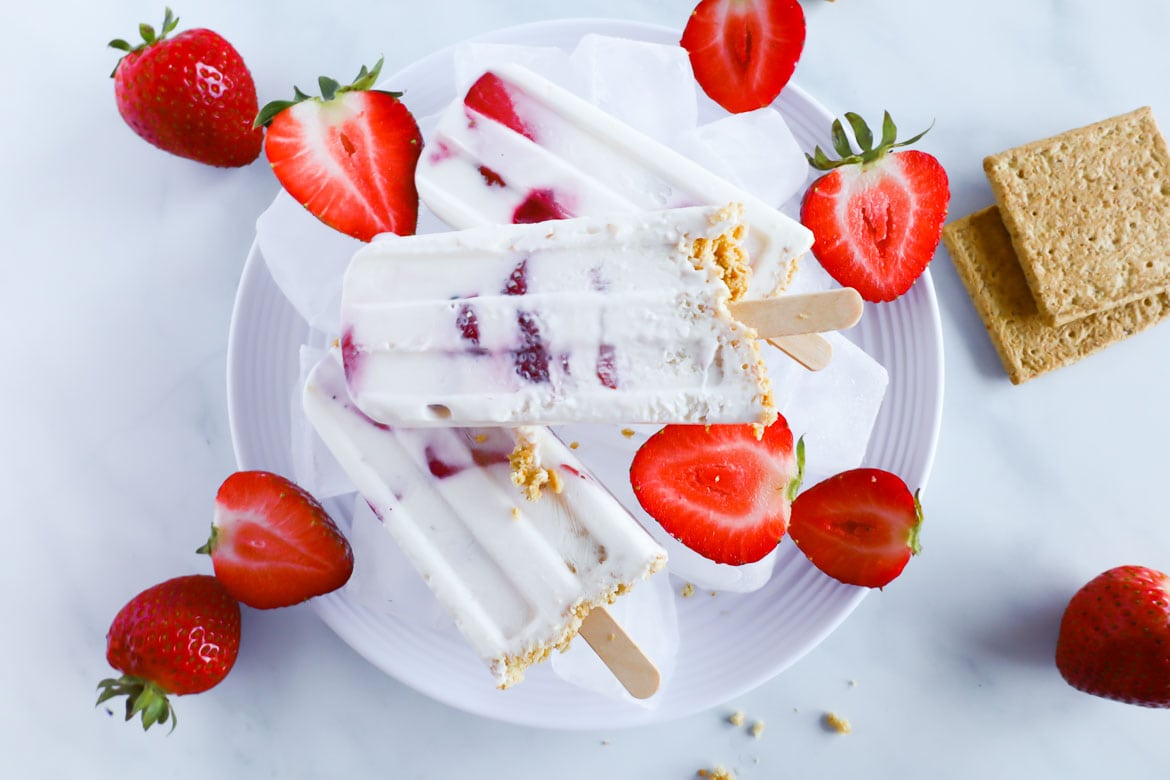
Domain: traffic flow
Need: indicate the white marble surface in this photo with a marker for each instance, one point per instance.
(119, 269)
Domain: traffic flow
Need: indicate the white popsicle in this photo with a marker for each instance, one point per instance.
(519, 576)
(519, 148)
(619, 320)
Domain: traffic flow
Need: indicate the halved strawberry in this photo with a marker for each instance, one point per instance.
(877, 216)
(743, 52)
(272, 544)
(859, 527)
(718, 489)
(348, 156)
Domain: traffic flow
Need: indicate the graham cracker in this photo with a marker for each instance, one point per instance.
(982, 252)
(1088, 212)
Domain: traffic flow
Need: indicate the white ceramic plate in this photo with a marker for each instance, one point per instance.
(728, 645)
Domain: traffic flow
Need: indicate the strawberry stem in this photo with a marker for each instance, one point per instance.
(798, 479)
(143, 697)
(912, 537)
(170, 22)
(212, 541)
(330, 89)
(149, 37)
(867, 152)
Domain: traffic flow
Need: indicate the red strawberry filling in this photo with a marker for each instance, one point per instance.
(540, 206)
(532, 358)
(490, 96)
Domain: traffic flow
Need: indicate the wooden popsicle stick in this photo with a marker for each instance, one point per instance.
(811, 350)
(620, 653)
(792, 315)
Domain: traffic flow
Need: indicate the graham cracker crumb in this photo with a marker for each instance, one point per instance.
(736, 718)
(554, 481)
(480, 438)
(718, 773)
(837, 723)
(515, 513)
(527, 473)
(725, 253)
(687, 591)
(757, 729)
(628, 432)
(574, 445)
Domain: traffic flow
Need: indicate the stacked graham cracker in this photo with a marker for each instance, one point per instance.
(1075, 253)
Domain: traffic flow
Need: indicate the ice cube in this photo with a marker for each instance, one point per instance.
(472, 59)
(810, 277)
(648, 614)
(649, 86)
(704, 573)
(306, 260)
(755, 150)
(834, 409)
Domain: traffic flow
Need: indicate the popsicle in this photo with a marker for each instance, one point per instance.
(622, 320)
(521, 576)
(519, 148)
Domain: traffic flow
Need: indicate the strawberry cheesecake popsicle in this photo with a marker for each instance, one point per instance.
(517, 541)
(518, 148)
(622, 320)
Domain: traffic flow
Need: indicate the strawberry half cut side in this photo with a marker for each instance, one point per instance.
(348, 156)
(719, 489)
(876, 215)
(859, 527)
(743, 52)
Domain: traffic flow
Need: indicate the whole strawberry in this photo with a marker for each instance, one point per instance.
(877, 215)
(181, 636)
(190, 95)
(348, 156)
(1115, 637)
(272, 544)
